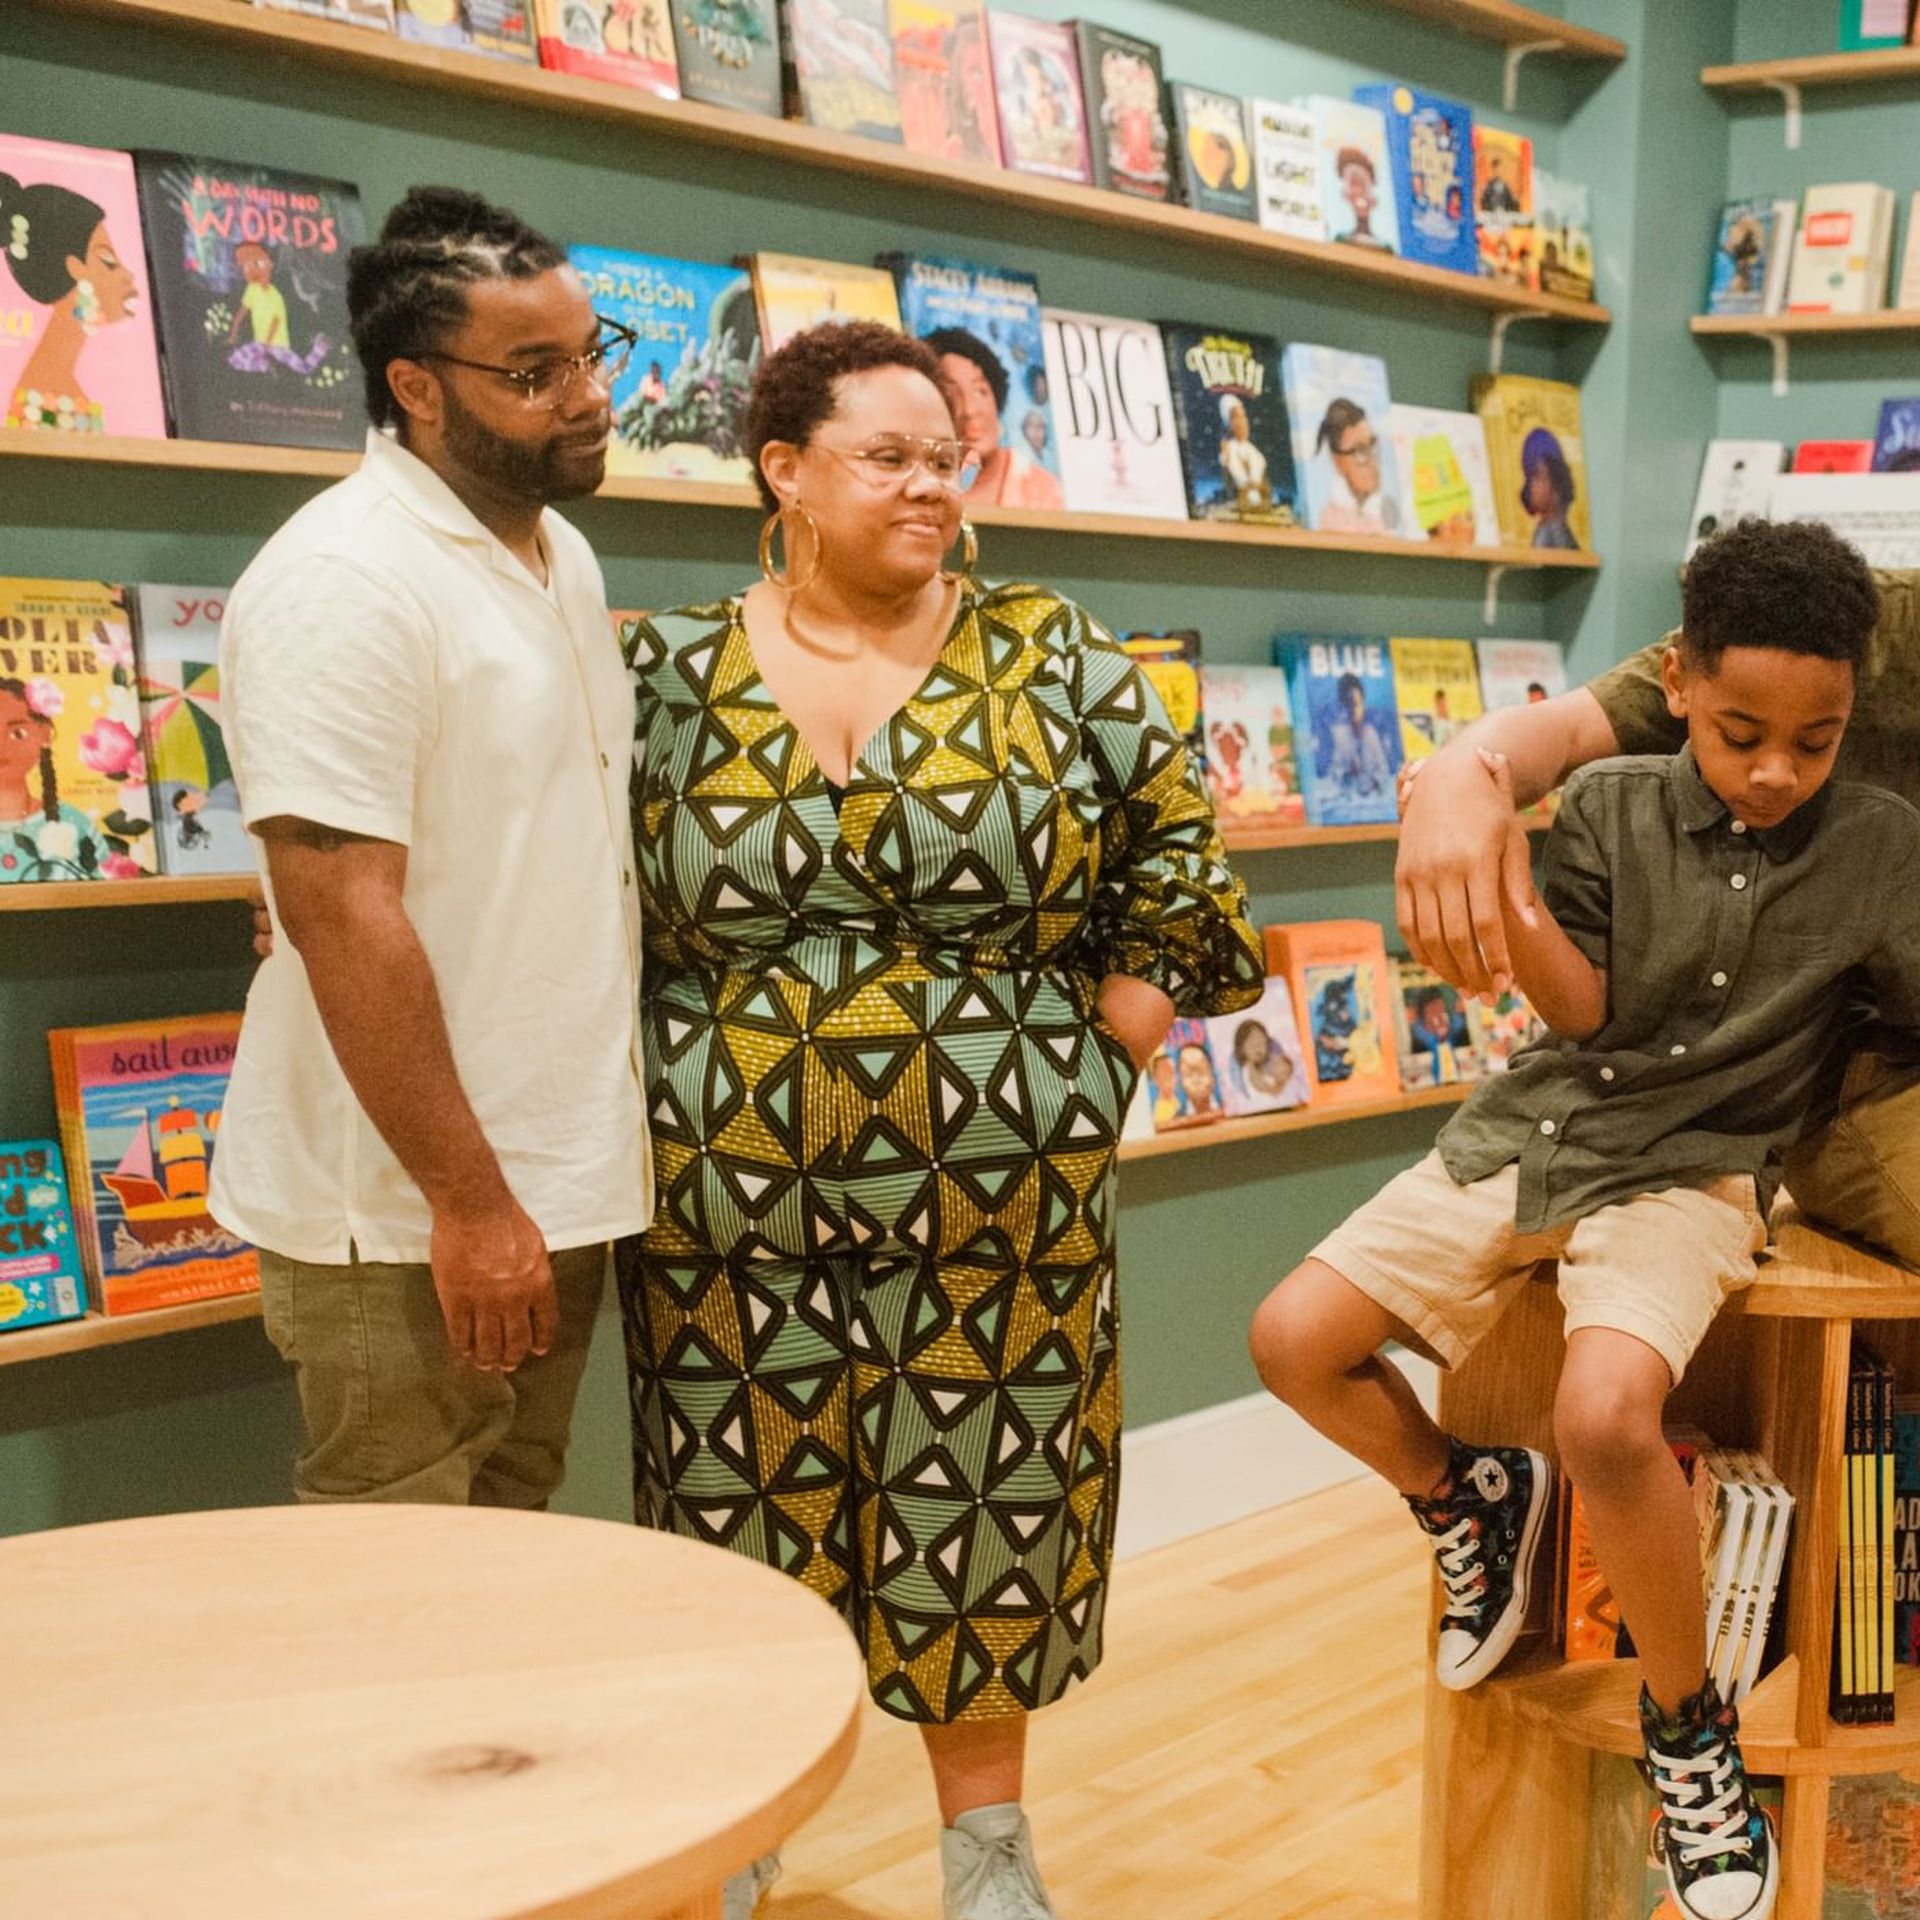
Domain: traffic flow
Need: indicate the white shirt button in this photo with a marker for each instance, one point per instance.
(1719, 979)
(1546, 1126)
(1738, 882)
(1739, 826)
(604, 761)
(1606, 1073)
(1676, 1049)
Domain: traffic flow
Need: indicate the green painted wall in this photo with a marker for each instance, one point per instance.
(207, 1419)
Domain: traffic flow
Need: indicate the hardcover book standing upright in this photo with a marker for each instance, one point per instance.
(77, 347)
(1183, 1079)
(1107, 380)
(1344, 1000)
(1339, 410)
(840, 59)
(1435, 1036)
(1286, 167)
(1232, 419)
(790, 295)
(1356, 176)
(679, 408)
(945, 80)
(1503, 204)
(1436, 686)
(1125, 94)
(729, 53)
(1252, 772)
(1346, 728)
(139, 1110)
(1539, 459)
(250, 280)
(1043, 113)
(1257, 1055)
(40, 1276)
(1444, 467)
(1736, 483)
(1430, 147)
(1216, 157)
(1743, 257)
(197, 824)
(1563, 235)
(1896, 446)
(628, 43)
(1171, 663)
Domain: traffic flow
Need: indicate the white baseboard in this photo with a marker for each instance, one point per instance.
(1200, 1470)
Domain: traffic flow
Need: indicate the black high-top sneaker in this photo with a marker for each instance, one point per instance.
(1721, 1859)
(1484, 1528)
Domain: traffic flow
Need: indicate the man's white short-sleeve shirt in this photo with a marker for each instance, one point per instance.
(388, 668)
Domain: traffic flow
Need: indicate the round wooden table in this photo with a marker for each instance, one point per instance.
(441, 1713)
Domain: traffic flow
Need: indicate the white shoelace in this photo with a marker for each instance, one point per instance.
(1002, 1884)
(1705, 1818)
(1461, 1571)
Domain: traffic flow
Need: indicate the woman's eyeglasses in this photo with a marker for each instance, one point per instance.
(889, 458)
(550, 383)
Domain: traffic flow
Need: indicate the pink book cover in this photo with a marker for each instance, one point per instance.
(77, 352)
(1043, 112)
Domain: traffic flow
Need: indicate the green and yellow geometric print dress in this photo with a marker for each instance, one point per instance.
(872, 1330)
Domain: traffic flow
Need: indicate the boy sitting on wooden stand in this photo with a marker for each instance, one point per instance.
(1703, 916)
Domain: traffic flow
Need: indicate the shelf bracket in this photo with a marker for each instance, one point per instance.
(1490, 606)
(1789, 92)
(1510, 79)
(1497, 352)
(1778, 342)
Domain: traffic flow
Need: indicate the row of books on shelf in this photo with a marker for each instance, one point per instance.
(1867, 491)
(217, 310)
(1394, 168)
(1830, 252)
(1876, 1611)
(1339, 1022)
(1319, 738)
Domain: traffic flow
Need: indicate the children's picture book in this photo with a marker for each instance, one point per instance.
(728, 53)
(1036, 82)
(1344, 1000)
(1833, 456)
(790, 295)
(1539, 459)
(983, 324)
(1436, 686)
(377, 14)
(1503, 204)
(249, 272)
(1251, 770)
(1171, 662)
(1896, 446)
(74, 799)
(627, 43)
(1743, 256)
(502, 29)
(139, 1109)
(1430, 153)
(1216, 157)
(1113, 410)
(1442, 457)
(1845, 246)
(1231, 415)
(1563, 235)
(1519, 673)
(680, 405)
(1346, 728)
(77, 346)
(1356, 175)
(1436, 1037)
(1338, 409)
(197, 825)
(1181, 1078)
(41, 1280)
(944, 78)
(1257, 1055)
(840, 67)
(1907, 293)
(1502, 1029)
(1736, 479)
(1286, 169)
(1132, 146)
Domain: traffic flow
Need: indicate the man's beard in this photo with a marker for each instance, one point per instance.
(536, 475)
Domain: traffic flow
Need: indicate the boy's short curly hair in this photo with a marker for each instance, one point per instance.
(1788, 584)
(793, 393)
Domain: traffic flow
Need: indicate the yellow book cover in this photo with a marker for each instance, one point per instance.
(1436, 686)
(74, 798)
(1539, 460)
(792, 295)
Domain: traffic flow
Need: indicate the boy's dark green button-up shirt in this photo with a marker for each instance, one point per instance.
(1733, 959)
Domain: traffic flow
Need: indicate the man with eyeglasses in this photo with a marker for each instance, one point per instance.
(435, 1124)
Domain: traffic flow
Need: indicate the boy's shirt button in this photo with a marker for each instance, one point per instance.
(1738, 882)
(1739, 826)
(1719, 979)
(1606, 1073)
(1677, 1049)
(1546, 1126)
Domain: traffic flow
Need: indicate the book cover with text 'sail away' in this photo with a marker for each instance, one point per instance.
(944, 77)
(1231, 413)
(197, 824)
(1113, 411)
(41, 1280)
(77, 346)
(250, 281)
(1043, 110)
(680, 404)
(729, 53)
(139, 1108)
(627, 43)
(75, 803)
(1346, 728)
(1344, 1000)
(1430, 150)
(1132, 144)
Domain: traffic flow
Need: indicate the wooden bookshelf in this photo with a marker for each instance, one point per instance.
(1815, 70)
(156, 890)
(1227, 1133)
(1804, 325)
(357, 50)
(1508, 25)
(78, 1336)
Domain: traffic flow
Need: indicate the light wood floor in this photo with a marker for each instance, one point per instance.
(1249, 1751)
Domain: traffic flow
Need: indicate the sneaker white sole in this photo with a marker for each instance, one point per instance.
(1506, 1630)
(1762, 1907)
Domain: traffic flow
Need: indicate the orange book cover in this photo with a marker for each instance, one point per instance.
(1590, 1620)
(1343, 999)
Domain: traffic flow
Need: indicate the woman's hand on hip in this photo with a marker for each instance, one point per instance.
(1140, 1014)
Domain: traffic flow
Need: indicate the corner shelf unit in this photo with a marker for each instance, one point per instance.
(1516, 1754)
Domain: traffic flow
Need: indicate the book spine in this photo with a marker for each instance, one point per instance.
(1840, 1686)
(1887, 1573)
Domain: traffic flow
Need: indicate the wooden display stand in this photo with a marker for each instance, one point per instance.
(1504, 1831)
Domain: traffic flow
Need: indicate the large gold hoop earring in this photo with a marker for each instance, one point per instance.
(969, 554)
(768, 530)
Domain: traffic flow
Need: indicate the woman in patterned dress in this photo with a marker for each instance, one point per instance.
(925, 874)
